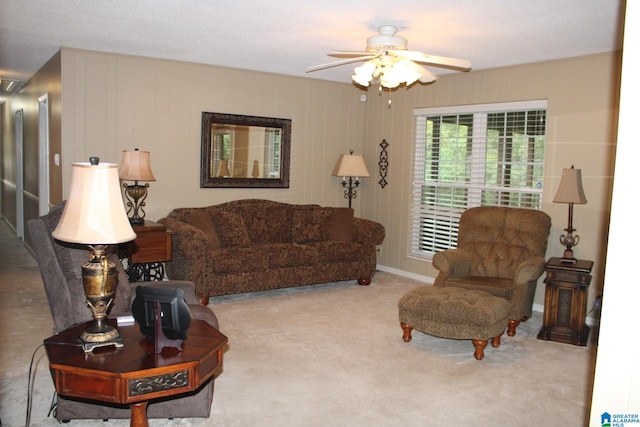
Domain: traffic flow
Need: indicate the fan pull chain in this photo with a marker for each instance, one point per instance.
(380, 94)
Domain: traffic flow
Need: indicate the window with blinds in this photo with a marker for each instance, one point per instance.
(272, 153)
(220, 150)
(479, 155)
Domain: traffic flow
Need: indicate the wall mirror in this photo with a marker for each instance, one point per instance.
(245, 151)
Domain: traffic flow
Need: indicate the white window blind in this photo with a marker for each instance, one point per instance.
(272, 153)
(479, 155)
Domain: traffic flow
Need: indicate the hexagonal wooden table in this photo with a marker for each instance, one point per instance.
(133, 374)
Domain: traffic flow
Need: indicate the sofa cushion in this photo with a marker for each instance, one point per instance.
(335, 251)
(309, 225)
(231, 229)
(203, 221)
(290, 255)
(280, 222)
(339, 225)
(319, 224)
(267, 224)
(238, 259)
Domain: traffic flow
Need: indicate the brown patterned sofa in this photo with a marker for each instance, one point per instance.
(251, 245)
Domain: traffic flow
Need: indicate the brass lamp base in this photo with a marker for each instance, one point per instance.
(136, 194)
(95, 337)
(99, 282)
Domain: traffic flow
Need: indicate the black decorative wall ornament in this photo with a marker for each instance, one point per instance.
(383, 164)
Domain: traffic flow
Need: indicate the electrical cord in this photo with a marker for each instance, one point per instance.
(30, 384)
(53, 408)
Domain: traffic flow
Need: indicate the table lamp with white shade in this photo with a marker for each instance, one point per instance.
(94, 215)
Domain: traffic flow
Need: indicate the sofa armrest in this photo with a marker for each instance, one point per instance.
(189, 248)
(368, 232)
(451, 263)
(186, 233)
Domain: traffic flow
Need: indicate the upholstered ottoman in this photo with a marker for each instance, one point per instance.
(455, 313)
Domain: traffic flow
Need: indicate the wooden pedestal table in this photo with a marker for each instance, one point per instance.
(133, 374)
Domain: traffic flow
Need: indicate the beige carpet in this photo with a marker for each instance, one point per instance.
(327, 355)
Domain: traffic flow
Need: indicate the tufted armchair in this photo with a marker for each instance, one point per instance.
(60, 265)
(500, 251)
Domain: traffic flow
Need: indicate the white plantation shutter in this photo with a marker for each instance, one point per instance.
(479, 155)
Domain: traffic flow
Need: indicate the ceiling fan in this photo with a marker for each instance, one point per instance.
(390, 63)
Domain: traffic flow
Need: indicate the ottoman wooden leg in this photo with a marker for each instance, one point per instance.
(479, 345)
(513, 324)
(406, 332)
(495, 341)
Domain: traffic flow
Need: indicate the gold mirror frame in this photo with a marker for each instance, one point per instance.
(210, 162)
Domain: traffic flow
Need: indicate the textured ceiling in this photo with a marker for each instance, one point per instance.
(285, 37)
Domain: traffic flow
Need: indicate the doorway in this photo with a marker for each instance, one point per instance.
(43, 154)
(19, 175)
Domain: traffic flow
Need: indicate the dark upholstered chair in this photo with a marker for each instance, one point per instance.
(60, 266)
(500, 251)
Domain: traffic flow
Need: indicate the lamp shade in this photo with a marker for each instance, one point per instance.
(94, 213)
(570, 190)
(351, 165)
(136, 166)
(223, 170)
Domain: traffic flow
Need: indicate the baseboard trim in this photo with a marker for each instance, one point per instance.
(426, 279)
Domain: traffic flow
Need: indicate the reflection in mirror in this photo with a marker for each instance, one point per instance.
(245, 151)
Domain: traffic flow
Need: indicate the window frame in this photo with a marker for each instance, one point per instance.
(446, 224)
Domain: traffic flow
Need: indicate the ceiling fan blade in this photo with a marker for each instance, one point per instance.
(336, 63)
(348, 53)
(440, 61)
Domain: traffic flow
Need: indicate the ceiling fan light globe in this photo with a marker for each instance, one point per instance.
(365, 69)
(361, 80)
(427, 79)
(408, 72)
(411, 80)
(364, 73)
(389, 81)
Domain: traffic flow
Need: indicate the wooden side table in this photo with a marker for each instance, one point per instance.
(148, 252)
(133, 374)
(565, 301)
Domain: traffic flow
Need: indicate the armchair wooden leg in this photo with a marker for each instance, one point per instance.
(204, 300)
(364, 282)
(513, 324)
(406, 332)
(480, 345)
